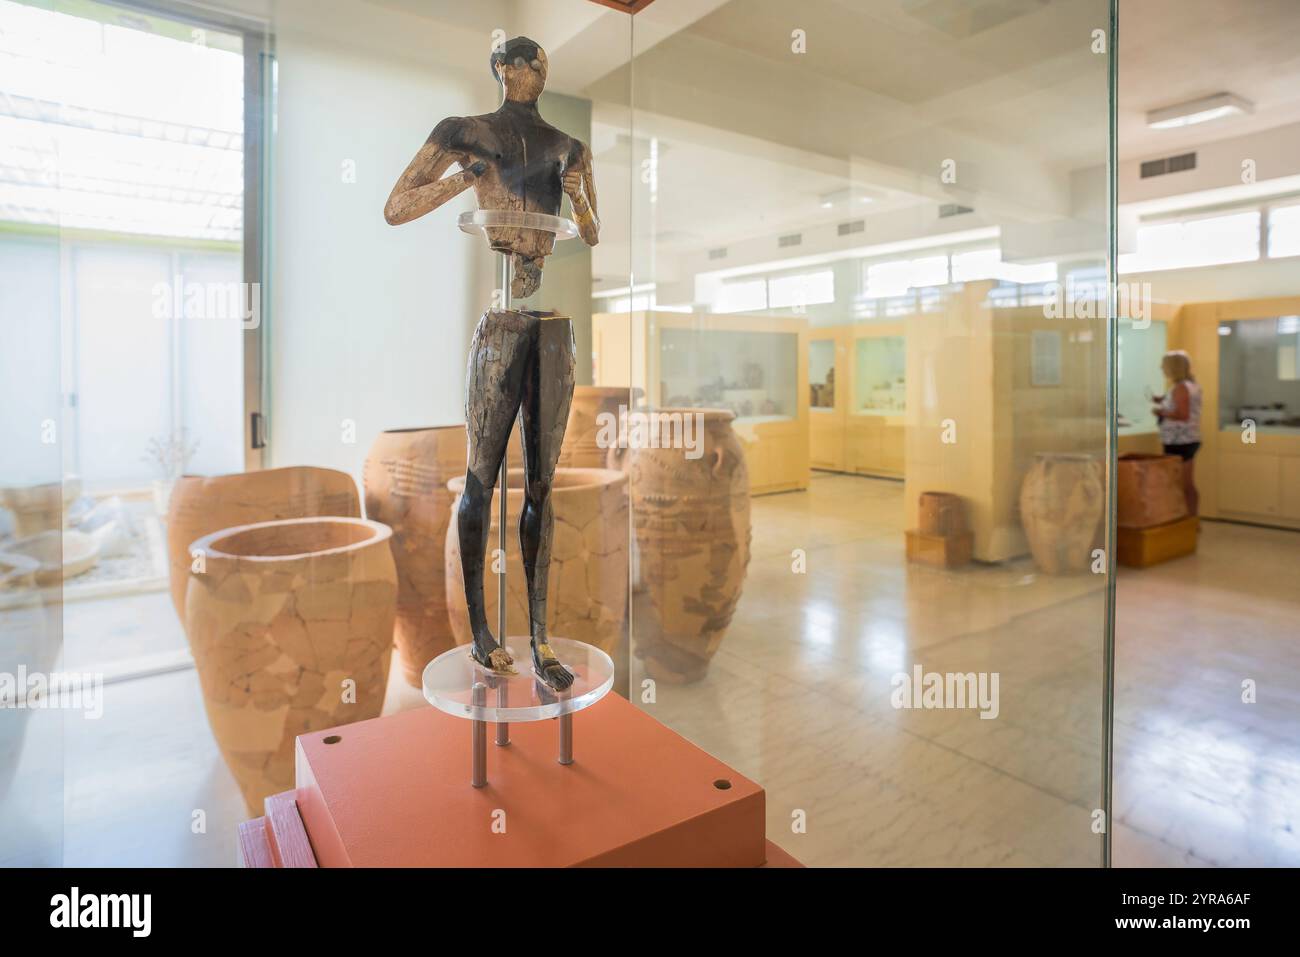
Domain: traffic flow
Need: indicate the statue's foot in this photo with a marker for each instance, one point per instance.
(492, 656)
(548, 667)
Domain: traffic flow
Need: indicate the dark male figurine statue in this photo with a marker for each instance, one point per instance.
(520, 363)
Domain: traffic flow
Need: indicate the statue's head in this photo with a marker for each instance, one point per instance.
(520, 65)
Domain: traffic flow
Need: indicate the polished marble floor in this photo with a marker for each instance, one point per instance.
(799, 698)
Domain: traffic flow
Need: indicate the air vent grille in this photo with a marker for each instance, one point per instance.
(1168, 164)
(793, 239)
(953, 209)
(719, 253)
(848, 229)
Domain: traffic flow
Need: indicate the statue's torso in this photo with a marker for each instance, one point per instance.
(525, 157)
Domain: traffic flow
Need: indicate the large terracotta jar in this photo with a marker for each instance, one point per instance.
(202, 504)
(691, 516)
(1062, 502)
(586, 595)
(405, 480)
(291, 626)
(586, 436)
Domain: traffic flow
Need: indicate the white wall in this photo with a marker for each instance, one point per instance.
(370, 323)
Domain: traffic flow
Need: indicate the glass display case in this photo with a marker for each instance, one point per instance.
(751, 368)
(799, 193)
(879, 381)
(753, 374)
(1258, 376)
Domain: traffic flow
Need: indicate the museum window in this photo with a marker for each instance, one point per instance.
(144, 198)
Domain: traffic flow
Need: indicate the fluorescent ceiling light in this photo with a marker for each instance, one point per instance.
(623, 291)
(1198, 111)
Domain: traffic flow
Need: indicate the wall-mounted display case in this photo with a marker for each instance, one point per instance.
(1138, 353)
(1258, 376)
(828, 382)
(754, 366)
(821, 373)
(879, 382)
(860, 426)
(1243, 355)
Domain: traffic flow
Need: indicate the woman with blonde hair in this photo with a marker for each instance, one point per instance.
(1179, 413)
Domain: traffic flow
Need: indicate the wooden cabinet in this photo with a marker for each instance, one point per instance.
(1250, 482)
(1257, 482)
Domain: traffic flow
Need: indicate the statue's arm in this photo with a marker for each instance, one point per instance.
(580, 185)
(421, 188)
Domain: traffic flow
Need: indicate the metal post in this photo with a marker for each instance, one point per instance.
(478, 697)
(566, 738)
(503, 489)
(503, 701)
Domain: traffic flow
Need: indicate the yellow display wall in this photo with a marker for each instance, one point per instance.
(627, 350)
(976, 418)
(1258, 481)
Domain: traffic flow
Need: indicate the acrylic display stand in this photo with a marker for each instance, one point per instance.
(457, 684)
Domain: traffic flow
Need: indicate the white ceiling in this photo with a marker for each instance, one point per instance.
(1173, 51)
(752, 136)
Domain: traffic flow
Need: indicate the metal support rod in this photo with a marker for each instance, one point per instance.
(566, 738)
(503, 701)
(503, 509)
(478, 697)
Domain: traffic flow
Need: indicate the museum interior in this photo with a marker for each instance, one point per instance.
(874, 418)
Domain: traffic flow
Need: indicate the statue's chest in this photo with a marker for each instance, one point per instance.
(529, 159)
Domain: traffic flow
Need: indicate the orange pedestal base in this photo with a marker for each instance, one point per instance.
(945, 551)
(395, 792)
(1143, 547)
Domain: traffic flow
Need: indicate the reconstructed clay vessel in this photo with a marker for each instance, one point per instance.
(39, 508)
(1061, 504)
(587, 588)
(691, 516)
(203, 504)
(583, 447)
(405, 482)
(291, 626)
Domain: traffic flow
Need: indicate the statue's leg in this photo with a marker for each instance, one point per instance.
(548, 390)
(498, 357)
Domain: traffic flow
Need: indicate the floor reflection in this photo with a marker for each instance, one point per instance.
(798, 698)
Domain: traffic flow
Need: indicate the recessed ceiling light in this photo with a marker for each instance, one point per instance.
(1198, 111)
(844, 196)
